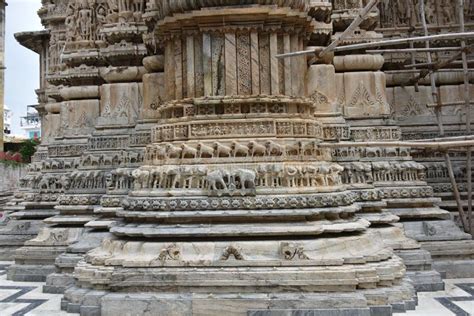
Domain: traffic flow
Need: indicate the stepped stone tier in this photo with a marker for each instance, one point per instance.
(181, 169)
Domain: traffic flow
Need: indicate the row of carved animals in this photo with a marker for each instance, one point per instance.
(370, 152)
(438, 170)
(233, 149)
(89, 160)
(360, 172)
(85, 180)
(203, 177)
(53, 164)
(45, 183)
(212, 178)
(398, 171)
(110, 160)
(59, 183)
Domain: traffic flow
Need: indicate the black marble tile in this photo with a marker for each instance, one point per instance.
(449, 302)
(16, 298)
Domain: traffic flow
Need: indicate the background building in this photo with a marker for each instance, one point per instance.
(31, 124)
(7, 120)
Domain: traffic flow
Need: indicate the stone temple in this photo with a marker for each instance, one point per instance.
(184, 168)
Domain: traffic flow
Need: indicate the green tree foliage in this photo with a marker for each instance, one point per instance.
(28, 149)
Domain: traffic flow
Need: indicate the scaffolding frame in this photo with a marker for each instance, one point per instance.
(420, 70)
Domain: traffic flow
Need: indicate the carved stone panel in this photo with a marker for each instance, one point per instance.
(320, 88)
(408, 104)
(51, 125)
(79, 117)
(120, 103)
(154, 95)
(363, 94)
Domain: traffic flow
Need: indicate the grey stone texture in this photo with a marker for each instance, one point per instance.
(182, 171)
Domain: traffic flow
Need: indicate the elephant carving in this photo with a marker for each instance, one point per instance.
(246, 178)
(216, 180)
(140, 177)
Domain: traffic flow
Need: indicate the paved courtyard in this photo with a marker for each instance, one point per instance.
(26, 298)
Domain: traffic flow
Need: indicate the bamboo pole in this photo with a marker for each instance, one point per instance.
(468, 117)
(393, 42)
(432, 65)
(357, 21)
(412, 50)
(437, 100)
(400, 41)
(320, 52)
(410, 34)
(432, 105)
(445, 139)
(399, 29)
(435, 67)
(407, 71)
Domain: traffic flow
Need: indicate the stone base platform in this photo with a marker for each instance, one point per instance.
(93, 303)
(29, 273)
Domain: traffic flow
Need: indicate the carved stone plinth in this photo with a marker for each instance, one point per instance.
(232, 183)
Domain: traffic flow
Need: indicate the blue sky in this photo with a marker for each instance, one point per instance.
(22, 73)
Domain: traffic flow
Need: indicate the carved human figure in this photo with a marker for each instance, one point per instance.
(70, 23)
(85, 23)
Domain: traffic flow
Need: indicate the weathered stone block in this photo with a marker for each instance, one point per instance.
(120, 103)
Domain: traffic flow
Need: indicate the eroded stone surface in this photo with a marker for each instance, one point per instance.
(184, 164)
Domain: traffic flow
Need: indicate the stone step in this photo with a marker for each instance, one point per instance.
(426, 281)
(420, 213)
(412, 202)
(227, 230)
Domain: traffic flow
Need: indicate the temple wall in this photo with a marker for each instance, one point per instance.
(10, 176)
